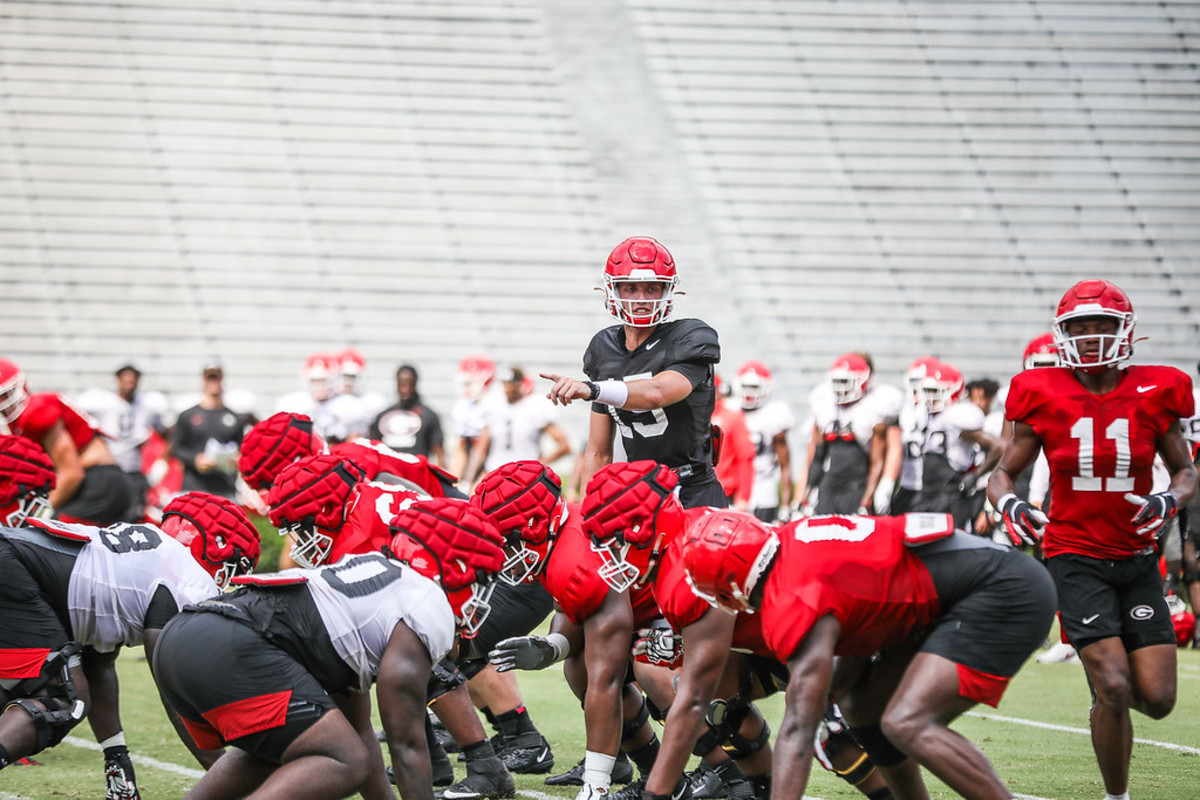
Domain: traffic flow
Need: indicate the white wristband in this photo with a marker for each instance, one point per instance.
(1003, 501)
(562, 648)
(612, 393)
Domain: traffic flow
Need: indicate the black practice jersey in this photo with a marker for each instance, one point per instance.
(678, 435)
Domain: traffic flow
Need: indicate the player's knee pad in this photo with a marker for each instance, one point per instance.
(712, 737)
(445, 677)
(882, 752)
(659, 714)
(628, 729)
(739, 746)
(858, 772)
(56, 708)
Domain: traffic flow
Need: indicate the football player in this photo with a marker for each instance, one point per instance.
(591, 632)
(769, 422)
(851, 591)
(280, 669)
(643, 530)
(649, 379)
(956, 452)
(336, 417)
(90, 488)
(351, 366)
(72, 595)
(848, 446)
(1101, 422)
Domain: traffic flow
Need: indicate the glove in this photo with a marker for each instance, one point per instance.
(1156, 511)
(881, 501)
(118, 773)
(658, 645)
(1023, 522)
(529, 652)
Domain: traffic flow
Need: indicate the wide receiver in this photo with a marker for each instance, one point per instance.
(1100, 423)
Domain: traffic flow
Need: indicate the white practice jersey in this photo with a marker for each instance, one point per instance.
(857, 421)
(116, 576)
(467, 417)
(1191, 426)
(943, 434)
(126, 426)
(341, 417)
(516, 428)
(362, 598)
(765, 423)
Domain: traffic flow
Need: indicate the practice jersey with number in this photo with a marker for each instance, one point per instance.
(357, 602)
(945, 454)
(126, 424)
(856, 569)
(854, 422)
(115, 575)
(371, 509)
(515, 429)
(765, 423)
(1100, 448)
(913, 419)
(44, 410)
(677, 435)
(381, 464)
(572, 576)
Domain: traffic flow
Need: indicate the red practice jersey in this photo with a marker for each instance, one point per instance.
(1099, 447)
(856, 569)
(372, 506)
(376, 458)
(44, 410)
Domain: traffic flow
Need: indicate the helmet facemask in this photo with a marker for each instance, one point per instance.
(14, 397)
(1115, 348)
(35, 505)
(624, 308)
(310, 545)
(471, 605)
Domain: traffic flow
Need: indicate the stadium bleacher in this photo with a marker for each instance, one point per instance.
(424, 181)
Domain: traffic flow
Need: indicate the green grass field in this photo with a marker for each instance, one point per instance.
(1037, 739)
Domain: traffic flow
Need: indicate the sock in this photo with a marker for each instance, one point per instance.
(513, 723)
(435, 747)
(881, 794)
(490, 717)
(479, 751)
(1123, 796)
(644, 756)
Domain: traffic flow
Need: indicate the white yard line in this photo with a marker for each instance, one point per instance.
(166, 766)
(11, 796)
(1082, 731)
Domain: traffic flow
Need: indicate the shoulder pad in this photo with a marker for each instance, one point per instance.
(695, 340)
(63, 530)
(275, 580)
(922, 529)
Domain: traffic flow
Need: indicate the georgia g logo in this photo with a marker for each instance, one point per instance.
(1141, 613)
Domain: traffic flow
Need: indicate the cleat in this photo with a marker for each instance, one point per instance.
(622, 773)
(706, 783)
(486, 779)
(27, 762)
(631, 791)
(1059, 653)
(528, 754)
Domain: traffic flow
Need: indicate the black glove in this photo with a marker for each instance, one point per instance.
(1023, 522)
(118, 774)
(1156, 511)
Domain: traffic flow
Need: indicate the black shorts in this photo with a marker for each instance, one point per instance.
(31, 627)
(231, 686)
(1099, 599)
(997, 605)
(702, 490)
(102, 498)
(516, 610)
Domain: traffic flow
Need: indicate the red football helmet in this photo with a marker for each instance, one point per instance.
(629, 512)
(26, 477)
(272, 444)
(754, 382)
(221, 537)
(1182, 620)
(14, 392)
(725, 554)
(524, 499)
(308, 503)
(915, 375)
(639, 259)
(1094, 298)
(941, 388)
(849, 377)
(1041, 352)
(320, 370)
(351, 366)
(454, 543)
(475, 376)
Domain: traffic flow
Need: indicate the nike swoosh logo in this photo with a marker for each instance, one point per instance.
(1090, 620)
(1147, 388)
(652, 344)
